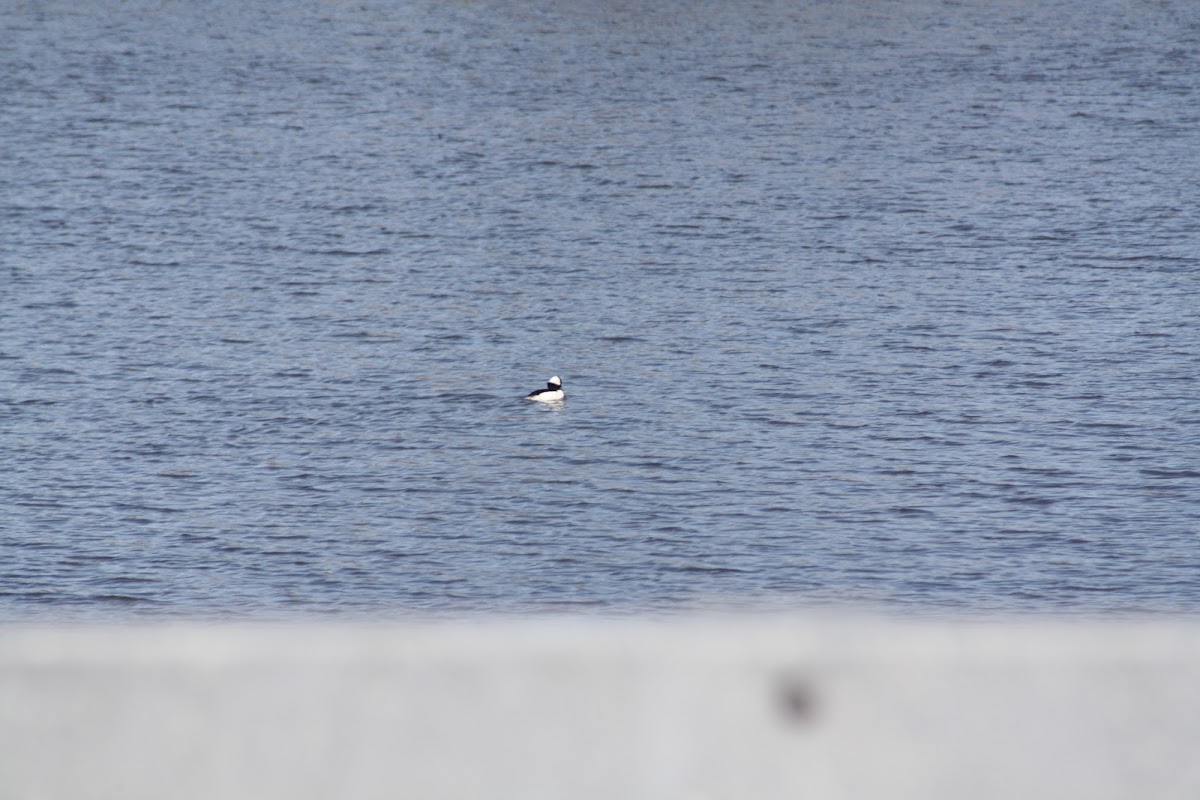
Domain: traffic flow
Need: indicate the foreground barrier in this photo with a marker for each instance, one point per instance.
(567, 709)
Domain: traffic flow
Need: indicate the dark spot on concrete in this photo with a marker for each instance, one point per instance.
(796, 699)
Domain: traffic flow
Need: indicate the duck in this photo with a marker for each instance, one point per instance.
(553, 392)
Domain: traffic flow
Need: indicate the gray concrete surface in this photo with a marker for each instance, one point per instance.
(721, 708)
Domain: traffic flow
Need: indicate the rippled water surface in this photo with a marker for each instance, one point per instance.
(887, 304)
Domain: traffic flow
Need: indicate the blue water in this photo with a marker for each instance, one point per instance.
(891, 305)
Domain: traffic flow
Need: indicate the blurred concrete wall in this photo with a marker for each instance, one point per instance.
(740, 708)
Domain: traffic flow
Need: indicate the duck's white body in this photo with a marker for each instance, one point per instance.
(552, 393)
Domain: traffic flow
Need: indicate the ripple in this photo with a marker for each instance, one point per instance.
(942, 362)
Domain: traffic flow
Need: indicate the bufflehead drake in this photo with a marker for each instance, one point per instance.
(552, 392)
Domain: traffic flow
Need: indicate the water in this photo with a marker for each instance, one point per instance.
(887, 304)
